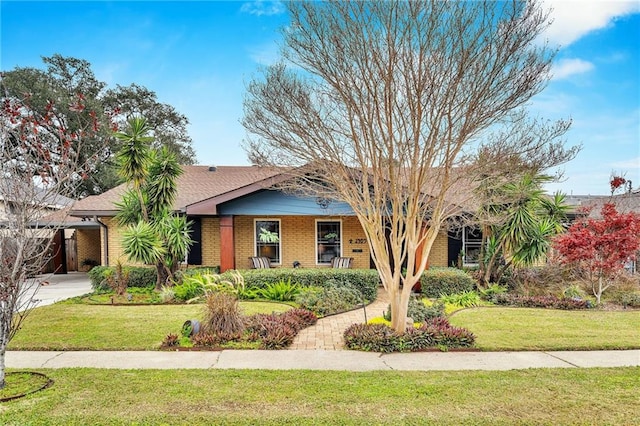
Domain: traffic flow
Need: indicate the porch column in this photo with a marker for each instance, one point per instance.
(227, 248)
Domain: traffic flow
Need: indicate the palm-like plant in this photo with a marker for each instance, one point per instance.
(141, 243)
(155, 235)
(527, 219)
(134, 158)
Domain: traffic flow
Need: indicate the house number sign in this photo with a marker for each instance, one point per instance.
(358, 241)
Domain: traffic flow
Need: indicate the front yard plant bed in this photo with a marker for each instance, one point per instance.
(433, 333)
(258, 331)
(548, 301)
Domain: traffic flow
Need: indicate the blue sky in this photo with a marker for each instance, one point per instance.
(198, 57)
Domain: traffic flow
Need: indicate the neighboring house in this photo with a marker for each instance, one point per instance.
(231, 206)
(45, 208)
(628, 202)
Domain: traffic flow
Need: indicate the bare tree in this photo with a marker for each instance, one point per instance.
(39, 166)
(389, 105)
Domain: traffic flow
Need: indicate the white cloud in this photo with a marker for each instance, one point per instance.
(265, 54)
(632, 163)
(568, 67)
(262, 7)
(574, 19)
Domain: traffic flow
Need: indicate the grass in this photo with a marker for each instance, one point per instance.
(102, 327)
(500, 329)
(22, 383)
(205, 397)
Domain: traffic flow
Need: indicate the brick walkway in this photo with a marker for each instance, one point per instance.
(328, 331)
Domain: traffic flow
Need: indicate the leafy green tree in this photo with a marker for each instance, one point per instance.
(518, 229)
(60, 83)
(154, 234)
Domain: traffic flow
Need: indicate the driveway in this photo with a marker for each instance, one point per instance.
(49, 289)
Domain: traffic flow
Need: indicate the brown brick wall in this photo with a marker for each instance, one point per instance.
(210, 241)
(439, 251)
(88, 245)
(297, 236)
(114, 241)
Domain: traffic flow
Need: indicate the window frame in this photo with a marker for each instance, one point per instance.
(466, 245)
(256, 240)
(319, 242)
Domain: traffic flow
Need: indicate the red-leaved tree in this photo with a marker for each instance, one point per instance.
(601, 246)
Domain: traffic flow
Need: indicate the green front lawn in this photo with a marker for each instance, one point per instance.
(102, 327)
(207, 397)
(500, 329)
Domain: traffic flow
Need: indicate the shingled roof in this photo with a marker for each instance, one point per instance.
(197, 183)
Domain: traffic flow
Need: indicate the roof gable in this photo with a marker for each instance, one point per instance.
(197, 183)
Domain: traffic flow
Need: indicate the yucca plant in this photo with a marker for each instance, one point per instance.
(141, 243)
(148, 205)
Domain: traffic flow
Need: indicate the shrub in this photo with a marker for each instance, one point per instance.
(573, 291)
(198, 284)
(630, 300)
(195, 270)
(142, 277)
(188, 290)
(222, 315)
(283, 291)
(550, 278)
(418, 311)
(444, 334)
(208, 339)
(277, 331)
(167, 295)
(492, 290)
(330, 300)
(433, 333)
(171, 340)
(300, 318)
(465, 299)
(437, 281)
(548, 301)
(118, 279)
(371, 338)
(365, 281)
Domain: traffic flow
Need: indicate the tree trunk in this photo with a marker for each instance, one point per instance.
(3, 382)
(598, 293)
(162, 275)
(400, 307)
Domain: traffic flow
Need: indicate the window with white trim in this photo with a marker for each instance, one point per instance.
(267, 239)
(328, 240)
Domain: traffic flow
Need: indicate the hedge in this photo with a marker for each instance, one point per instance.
(435, 282)
(366, 281)
(139, 276)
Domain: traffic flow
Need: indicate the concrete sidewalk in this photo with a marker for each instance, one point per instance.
(322, 360)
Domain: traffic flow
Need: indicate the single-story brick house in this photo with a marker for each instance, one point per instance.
(230, 206)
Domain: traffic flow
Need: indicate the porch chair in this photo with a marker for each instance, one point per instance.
(260, 262)
(341, 262)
